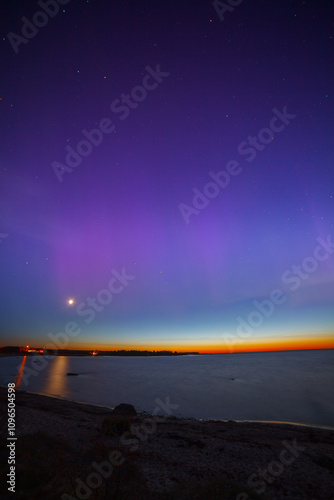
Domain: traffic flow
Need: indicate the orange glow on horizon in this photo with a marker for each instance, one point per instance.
(297, 341)
(294, 344)
(256, 345)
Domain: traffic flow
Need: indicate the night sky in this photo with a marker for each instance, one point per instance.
(167, 175)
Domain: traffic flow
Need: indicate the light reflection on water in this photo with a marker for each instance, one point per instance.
(56, 383)
(46, 375)
(18, 379)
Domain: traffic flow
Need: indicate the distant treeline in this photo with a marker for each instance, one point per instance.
(135, 352)
(76, 352)
(10, 349)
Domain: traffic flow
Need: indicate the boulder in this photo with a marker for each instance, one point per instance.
(125, 410)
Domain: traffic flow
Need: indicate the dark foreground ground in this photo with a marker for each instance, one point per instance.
(70, 451)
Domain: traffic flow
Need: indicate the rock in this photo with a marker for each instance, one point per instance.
(124, 409)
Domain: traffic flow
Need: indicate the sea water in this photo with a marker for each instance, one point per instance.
(291, 386)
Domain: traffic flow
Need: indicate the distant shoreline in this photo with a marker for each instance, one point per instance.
(36, 351)
(5, 352)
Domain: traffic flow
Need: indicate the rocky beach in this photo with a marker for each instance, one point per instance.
(71, 450)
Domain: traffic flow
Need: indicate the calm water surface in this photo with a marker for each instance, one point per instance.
(295, 386)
